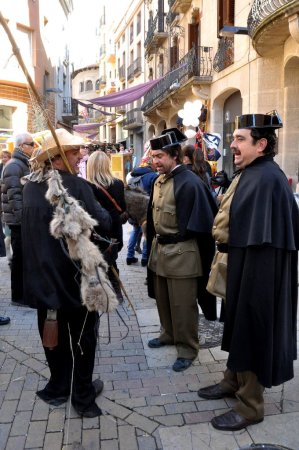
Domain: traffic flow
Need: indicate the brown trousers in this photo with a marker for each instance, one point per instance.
(248, 391)
(178, 312)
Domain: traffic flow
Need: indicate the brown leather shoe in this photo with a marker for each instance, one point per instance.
(214, 392)
(232, 421)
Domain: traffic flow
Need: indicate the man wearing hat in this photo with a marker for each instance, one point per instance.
(179, 226)
(258, 227)
(11, 197)
(52, 278)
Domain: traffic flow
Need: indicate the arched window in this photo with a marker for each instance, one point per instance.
(81, 87)
(97, 85)
(88, 85)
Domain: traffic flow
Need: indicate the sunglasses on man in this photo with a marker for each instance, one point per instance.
(29, 143)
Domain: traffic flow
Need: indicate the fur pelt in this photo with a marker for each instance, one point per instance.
(137, 203)
(74, 225)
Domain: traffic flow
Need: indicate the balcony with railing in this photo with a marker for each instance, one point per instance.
(171, 17)
(196, 65)
(134, 69)
(69, 107)
(111, 88)
(134, 119)
(122, 73)
(103, 81)
(156, 34)
(224, 56)
(180, 6)
(121, 109)
(270, 22)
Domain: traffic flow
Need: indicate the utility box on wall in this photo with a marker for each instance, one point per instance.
(121, 165)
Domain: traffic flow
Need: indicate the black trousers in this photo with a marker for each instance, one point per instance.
(2, 244)
(81, 325)
(16, 264)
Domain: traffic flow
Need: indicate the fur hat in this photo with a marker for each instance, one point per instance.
(49, 148)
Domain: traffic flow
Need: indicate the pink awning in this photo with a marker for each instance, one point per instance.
(125, 96)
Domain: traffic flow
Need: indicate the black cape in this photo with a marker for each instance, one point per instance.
(195, 209)
(261, 301)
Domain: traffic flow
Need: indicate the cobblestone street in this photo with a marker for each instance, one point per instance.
(145, 404)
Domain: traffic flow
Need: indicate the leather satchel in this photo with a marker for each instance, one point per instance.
(218, 275)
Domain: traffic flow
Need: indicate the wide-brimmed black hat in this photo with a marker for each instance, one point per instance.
(269, 120)
(168, 138)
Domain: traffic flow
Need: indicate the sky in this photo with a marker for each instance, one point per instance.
(82, 33)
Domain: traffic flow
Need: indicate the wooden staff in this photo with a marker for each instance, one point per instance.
(17, 54)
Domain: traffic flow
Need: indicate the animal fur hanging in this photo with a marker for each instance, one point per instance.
(74, 225)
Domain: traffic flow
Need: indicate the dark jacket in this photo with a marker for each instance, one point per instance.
(11, 187)
(148, 177)
(261, 297)
(51, 278)
(116, 191)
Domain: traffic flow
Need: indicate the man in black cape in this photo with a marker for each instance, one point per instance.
(261, 292)
(180, 219)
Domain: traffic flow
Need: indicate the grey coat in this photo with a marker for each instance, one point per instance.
(11, 188)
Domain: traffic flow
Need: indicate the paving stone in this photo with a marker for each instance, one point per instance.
(146, 443)
(210, 405)
(144, 392)
(170, 420)
(196, 437)
(110, 445)
(91, 439)
(133, 402)
(161, 399)
(112, 408)
(56, 420)
(142, 422)
(20, 424)
(72, 431)
(178, 408)
(8, 410)
(36, 434)
(4, 434)
(40, 410)
(26, 401)
(53, 441)
(127, 438)
(198, 417)
(108, 427)
(15, 443)
(151, 411)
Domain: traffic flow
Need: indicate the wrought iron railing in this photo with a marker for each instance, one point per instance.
(69, 106)
(170, 17)
(134, 68)
(225, 54)
(261, 10)
(122, 72)
(196, 63)
(130, 71)
(133, 116)
(157, 25)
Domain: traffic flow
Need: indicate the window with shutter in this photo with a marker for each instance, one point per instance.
(226, 13)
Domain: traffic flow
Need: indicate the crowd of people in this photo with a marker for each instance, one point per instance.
(247, 239)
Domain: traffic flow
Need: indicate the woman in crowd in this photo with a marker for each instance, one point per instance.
(110, 193)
